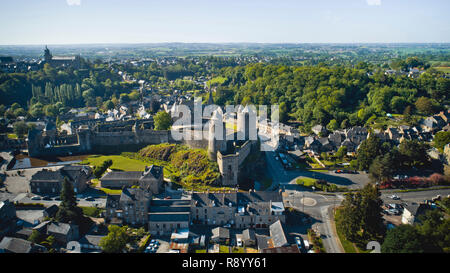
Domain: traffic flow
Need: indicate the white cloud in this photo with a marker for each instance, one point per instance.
(373, 2)
(73, 2)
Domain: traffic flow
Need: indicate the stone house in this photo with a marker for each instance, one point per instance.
(50, 182)
(238, 209)
(62, 232)
(151, 179)
(17, 245)
(168, 216)
(134, 203)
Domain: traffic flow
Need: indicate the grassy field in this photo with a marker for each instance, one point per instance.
(306, 181)
(443, 69)
(224, 249)
(12, 136)
(91, 211)
(119, 162)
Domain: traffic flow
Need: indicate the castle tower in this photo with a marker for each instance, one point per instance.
(216, 128)
(47, 55)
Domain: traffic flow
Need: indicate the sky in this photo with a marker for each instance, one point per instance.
(228, 21)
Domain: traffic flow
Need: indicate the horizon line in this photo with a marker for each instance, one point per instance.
(225, 43)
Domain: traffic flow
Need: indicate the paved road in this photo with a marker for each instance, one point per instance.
(413, 196)
(318, 207)
(281, 176)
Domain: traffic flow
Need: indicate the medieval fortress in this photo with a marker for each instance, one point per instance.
(228, 147)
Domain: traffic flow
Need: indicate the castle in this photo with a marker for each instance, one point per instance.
(58, 61)
(229, 151)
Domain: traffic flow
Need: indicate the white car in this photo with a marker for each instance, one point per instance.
(395, 197)
(35, 198)
(239, 242)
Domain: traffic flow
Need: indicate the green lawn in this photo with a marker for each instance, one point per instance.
(306, 181)
(119, 162)
(12, 136)
(91, 211)
(238, 250)
(200, 251)
(224, 249)
(443, 69)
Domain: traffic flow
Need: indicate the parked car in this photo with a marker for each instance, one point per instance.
(298, 242)
(395, 197)
(239, 242)
(306, 244)
(35, 198)
(47, 198)
(57, 198)
(90, 198)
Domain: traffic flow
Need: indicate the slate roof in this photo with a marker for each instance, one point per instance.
(153, 172)
(253, 198)
(262, 241)
(47, 176)
(91, 239)
(114, 175)
(169, 217)
(59, 228)
(16, 245)
(221, 233)
(52, 210)
(277, 234)
(248, 234)
(134, 194)
(71, 172)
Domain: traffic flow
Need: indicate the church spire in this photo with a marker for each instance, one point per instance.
(210, 99)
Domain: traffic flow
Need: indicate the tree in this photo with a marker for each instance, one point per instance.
(441, 139)
(382, 168)
(333, 125)
(116, 240)
(414, 153)
(368, 151)
(341, 152)
(349, 221)
(68, 210)
(20, 128)
(425, 106)
(434, 228)
(402, 239)
(36, 237)
(372, 219)
(108, 105)
(163, 121)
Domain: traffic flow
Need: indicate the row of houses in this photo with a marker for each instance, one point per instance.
(232, 209)
(353, 137)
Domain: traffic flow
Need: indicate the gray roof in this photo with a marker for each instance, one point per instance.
(221, 232)
(153, 172)
(91, 239)
(277, 234)
(254, 198)
(169, 217)
(59, 228)
(134, 194)
(262, 241)
(47, 176)
(114, 175)
(16, 245)
(248, 234)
